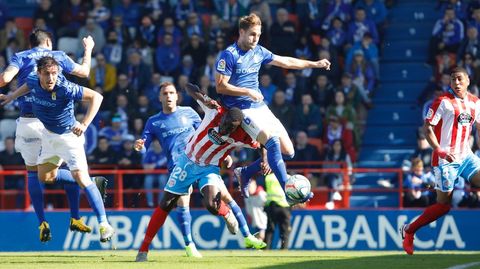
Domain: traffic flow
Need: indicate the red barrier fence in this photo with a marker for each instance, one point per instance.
(120, 197)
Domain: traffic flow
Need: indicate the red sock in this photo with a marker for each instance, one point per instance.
(430, 214)
(156, 221)
(223, 209)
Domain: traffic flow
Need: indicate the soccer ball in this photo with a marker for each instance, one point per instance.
(297, 187)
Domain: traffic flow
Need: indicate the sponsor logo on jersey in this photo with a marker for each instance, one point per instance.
(464, 118)
(248, 70)
(221, 65)
(215, 137)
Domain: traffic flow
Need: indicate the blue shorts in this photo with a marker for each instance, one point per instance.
(447, 175)
(186, 172)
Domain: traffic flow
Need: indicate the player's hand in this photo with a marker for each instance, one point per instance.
(228, 161)
(138, 145)
(256, 96)
(212, 104)
(79, 128)
(324, 63)
(5, 98)
(445, 155)
(88, 43)
(266, 170)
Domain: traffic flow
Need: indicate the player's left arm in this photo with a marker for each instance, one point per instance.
(7, 98)
(194, 91)
(295, 63)
(95, 100)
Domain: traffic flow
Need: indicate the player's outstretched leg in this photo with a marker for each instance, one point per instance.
(407, 239)
(185, 220)
(245, 173)
(275, 161)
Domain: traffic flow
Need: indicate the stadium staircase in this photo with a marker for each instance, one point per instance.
(390, 133)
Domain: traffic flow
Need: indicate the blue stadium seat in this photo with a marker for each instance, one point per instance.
(398, 92)
(405, 72)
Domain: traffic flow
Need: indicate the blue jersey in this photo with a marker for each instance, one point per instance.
(55, 109)
(26, 62)
(242, 67)
(172, 131)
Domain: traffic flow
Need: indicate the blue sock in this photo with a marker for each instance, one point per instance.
(96, 202)
(275, 161)
(252, 169)
(73, 196)
(288, 157)
(65, 176)
(185, 220)
(35, 189)
(242, 222)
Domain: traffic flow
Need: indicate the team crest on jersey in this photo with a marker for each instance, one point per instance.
(464, 118)
(221, 65)
(215, 137)
(54, 96)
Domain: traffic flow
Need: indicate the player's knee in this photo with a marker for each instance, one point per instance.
(168, 202)
(263, 136)
(288, 156)
(47, 178)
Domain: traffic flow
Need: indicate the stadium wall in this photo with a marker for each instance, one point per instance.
(311, 230)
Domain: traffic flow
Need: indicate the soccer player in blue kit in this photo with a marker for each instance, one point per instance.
(172, 127)
(236, 81)
(53, 97)
(29, 128)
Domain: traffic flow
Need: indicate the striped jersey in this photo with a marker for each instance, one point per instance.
(453, 119)
(208, 147)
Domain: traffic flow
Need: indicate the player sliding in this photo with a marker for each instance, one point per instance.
(447, 126)
(62, 138)
(28, 138)
(237, 84)
(218, 134)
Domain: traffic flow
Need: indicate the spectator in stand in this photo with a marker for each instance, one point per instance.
(124, 37)
(130, 12)
(423, 151)
(214, 30)
(334, 73)
(336, 131)
(362, 72)
(187, 68)
(337, 35)
(415, 184)
(314, 20)
(447, 34)
(154, 159)
(113, 50)
(184, 99)
(136, 128)
(282, 110)
(361, 25)
(304, 152)
(475, 21)
(473, 70)
(322, 93)
(337, 8)
(146, 52)
(353, 96)
(232, 10)
(261, 8)
(114, 133)
(343, 111)
(152, 91)
(370, 51)
(376, 11)
(48, 12)
(9, 157)
(293, 93)
(442, 83)
(207, 87)
(194, 26)
(470, 44)
(123, 110)
(167, 56)
(103, 77)
(122, 88)
(156, 9)
(12, 32)
(128, 158)
(169, 27)
(142, 109)
(267, 88)
(103, 154)
(308, 118)
(100, 13)
(147, 31)
(460, 7)
(137, 71)
(283, 32)
(183, 8)
(196, 49)
(73, 16)
(209, 69)
(91, 28)
(39, 23)
(11, 49)
(254, 205)
(336, 153)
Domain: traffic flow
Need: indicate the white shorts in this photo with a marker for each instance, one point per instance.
(28, 139)
(261, 118)
(68, 147)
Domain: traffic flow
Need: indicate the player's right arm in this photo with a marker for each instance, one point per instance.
(14, 95)
(224, 68)
(7, 75)
(147, 137)
(434, 115)
(83, 70)
(95, 100)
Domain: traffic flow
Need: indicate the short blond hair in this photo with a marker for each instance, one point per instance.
(417, 163)
(251, 20)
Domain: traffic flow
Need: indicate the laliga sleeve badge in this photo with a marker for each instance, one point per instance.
(221, 65)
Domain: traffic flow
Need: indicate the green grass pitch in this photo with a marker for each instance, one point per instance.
(241, 259)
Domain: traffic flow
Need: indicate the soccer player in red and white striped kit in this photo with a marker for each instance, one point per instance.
(447, 126)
